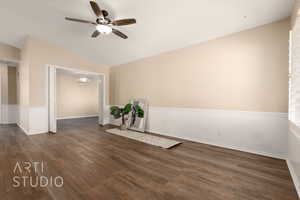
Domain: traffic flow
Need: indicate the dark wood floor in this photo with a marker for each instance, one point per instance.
(101, 166)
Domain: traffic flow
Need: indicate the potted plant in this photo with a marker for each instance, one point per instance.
(119, 112)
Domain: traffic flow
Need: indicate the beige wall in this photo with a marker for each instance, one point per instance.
(12, 85)
(9, 53)
(244, 71)
(3, 85)
(295, 12)
(74, 99)
(23, 70)
(38, 53)
(8, 85)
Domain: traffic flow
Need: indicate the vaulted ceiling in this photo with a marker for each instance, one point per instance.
(162, 25)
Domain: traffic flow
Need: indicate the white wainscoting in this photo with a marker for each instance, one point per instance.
(34, 120)
(10, 114)
(38, 120)
(78, 117)
(23, 122)
(294, 155)
(107, 117)
(255, 132)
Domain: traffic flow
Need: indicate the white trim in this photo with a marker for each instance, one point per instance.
(35, 119)
(102, 90)
(77, 117)
(23, 121)
(23, 129)
(11, 63)
(3, 91)
(30, 133)
(1, 117)
(78, 70)
(38, 122)
(275, 114)
(36, 133)
(293, 159)
(294, 129)
(52, 105)
(294, 176)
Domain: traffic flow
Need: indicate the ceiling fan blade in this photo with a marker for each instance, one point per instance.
(124, 22)
(95, 34)
(96, 9)
(80, 20)
(119, 33)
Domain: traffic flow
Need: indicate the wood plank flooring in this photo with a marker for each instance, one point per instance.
(96, 165)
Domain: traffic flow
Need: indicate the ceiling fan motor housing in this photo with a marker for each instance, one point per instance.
(104, 21)
(105, 13)
(104, 25)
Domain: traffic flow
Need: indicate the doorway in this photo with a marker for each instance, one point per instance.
(74, 94)
(8, 93)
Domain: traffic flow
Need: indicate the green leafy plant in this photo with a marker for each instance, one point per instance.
(122, 112)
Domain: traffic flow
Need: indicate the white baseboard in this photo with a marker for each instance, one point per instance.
(294, 177)
(23, 129)
(77, 117)
(263, 133)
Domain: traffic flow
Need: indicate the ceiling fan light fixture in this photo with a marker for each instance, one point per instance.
(104, 24)
(104, 29)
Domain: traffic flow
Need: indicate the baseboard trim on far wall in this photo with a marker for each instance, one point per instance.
(294, 177)
(23, 129)
(77, 117)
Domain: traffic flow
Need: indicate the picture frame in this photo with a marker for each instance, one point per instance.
(134, 122)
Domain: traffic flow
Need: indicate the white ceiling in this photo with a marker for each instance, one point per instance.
(162, 25)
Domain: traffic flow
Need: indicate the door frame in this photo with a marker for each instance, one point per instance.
(1, 107)
(3, 91)
(51, 71)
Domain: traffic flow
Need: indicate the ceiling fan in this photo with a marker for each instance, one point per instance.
(104, 25)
